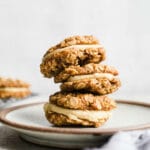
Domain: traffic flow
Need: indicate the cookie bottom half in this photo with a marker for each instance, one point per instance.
(67, 117)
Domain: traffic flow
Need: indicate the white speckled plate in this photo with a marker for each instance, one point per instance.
(30, 122)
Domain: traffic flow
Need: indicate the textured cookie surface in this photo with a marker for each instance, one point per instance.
(55, 61)
(94, 85)
(61, 117)
(62, 120)
(83, 70)
(74, 40)
(82, 101)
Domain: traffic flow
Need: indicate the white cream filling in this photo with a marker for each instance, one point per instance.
(92, 76)
(90, 115)
(82, 47)
(13, 89)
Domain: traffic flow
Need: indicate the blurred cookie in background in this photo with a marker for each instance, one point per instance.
(13, 88)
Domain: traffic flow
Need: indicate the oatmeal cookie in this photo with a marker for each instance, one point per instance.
(74, 40)
(82, 101)
(57, 60)
(13, 88)
(83, 70)
(75, 117)
(62, 120)
(96, 85)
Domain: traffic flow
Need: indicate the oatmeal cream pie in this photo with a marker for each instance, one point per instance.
(76, 50)
(10, 88)
(94, 78)
(78, 109)
(90, 68)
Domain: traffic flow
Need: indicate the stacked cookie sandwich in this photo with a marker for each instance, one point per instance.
(13, 88)
(85, 82)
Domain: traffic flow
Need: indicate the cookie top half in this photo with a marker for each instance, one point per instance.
(82, 101)
(74, 40)
(76, 50)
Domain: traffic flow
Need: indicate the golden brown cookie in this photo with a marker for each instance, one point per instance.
(84, 70)
(82, 101)
(97, 84)
(78, 52)
(10, 88)
(74, 40)
(62, 120)
(65, 117)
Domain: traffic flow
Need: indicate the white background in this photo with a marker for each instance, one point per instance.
(29, 27)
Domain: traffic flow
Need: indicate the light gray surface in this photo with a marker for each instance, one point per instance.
(28, 28)
(10, 140)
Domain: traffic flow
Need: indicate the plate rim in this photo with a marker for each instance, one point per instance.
(6, 111)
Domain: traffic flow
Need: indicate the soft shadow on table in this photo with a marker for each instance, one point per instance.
(10, 140)
(33, 98)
